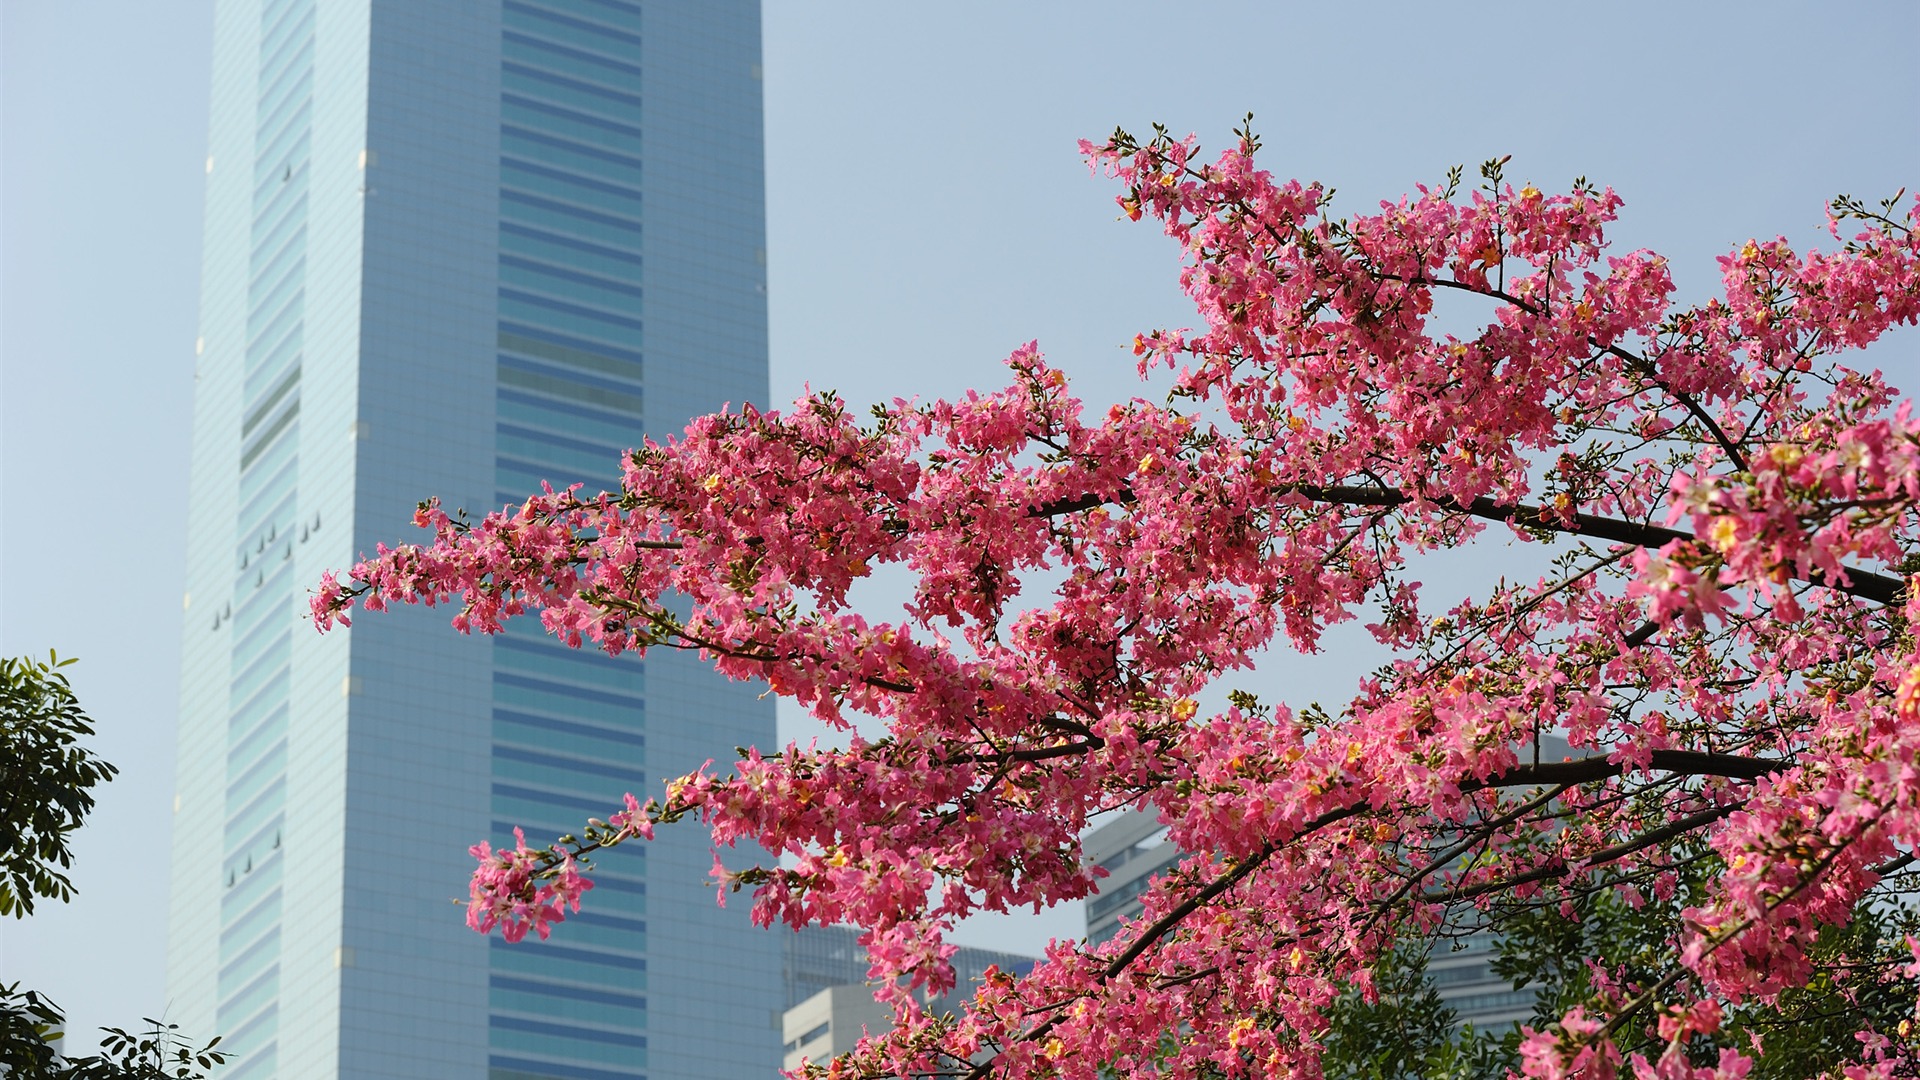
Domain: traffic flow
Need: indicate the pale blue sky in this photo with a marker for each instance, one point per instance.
(926, 214)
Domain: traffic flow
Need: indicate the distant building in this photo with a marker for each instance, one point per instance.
(449, 253)
(1133, 848)
(830, 1005)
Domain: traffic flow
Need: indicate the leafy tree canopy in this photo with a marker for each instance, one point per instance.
(46, 792)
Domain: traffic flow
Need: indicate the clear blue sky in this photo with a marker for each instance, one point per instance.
(926, 214)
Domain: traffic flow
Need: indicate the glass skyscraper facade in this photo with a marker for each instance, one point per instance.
(455, 250)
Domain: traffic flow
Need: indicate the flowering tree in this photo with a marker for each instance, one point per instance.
(1727, 517)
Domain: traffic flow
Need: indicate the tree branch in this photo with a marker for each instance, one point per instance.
(1605, 855)
(1868, 586)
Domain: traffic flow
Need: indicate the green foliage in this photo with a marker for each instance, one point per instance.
(1401, 1033)
(1806, 1031)
(46, 781)
(1628, 937)
(28, 1021)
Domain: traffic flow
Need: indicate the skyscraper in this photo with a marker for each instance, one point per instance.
(454, 250)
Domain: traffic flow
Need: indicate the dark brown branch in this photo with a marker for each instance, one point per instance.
(1633, 360)
(1868, 586)
(1589, 769)
(1605, 855)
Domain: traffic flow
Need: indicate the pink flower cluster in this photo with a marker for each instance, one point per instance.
(1719, 629)
(518, 891)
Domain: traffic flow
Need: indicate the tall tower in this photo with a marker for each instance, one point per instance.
(455, 249)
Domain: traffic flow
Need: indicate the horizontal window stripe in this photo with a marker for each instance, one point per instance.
(245, 967)
(622, 12)
(501, 678)
(525, 144)
(287, 246)
(609, 263)
(275, 267)
(266, 242)
(567, 1049)
(279, 283)
(253, 1035)
(593, 1012)
(278, 651)
(553, 56)
(257, 710)
(270, 801)
(610, 884)
(576, 128)
(547, 274)
(252, 887)
(246, 930)
(570, 374)
(615, 770)
(615, 429)
(286, 89)
(620, 674)
(550, 23)
(539, 80)
(572, 190)
(272, 331)
(570, 725)
(511, 1068)
(610, 16)
(289, 16)
(258, 844)
(542, 696)
(555, 337)
(534, 84)
(538, 733)
(260, 476)
(271, 500)
(265, 367)
(515, 478)
(259, 1064)
(555, 284)
(286, 61)
(254, 742)
(573, 932)
(257, 631)
(520, 206)
(295, 24)
(561, 442)
(280, 427)
(286, 386)
(561, 386)
(248, 682)
(593, 807)
(567, 1031)
(530, 444)
(563, 779)
(277, 637)
(284, 154)
(527, 107)
(614, 892)
(548, 961)
(242, 789)
(571, 993)
(291, 129)
(250, 1000)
